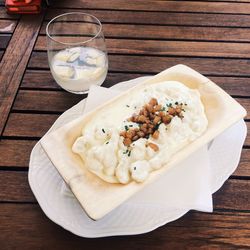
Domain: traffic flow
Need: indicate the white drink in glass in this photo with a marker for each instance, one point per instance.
(76, 68)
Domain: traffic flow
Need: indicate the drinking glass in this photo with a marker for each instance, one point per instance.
(76, 51)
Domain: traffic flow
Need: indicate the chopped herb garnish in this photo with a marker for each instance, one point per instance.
(107, 142)
(135, 107)
(169, 104)
(129, 153)
(176, 103)
(134, 168)
(163, 109)
(185, 104)
(157, 125)
(130, 125)
(127, 106)
(103, 130)
(126, 127)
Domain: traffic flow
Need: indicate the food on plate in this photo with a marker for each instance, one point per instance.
(140, 133)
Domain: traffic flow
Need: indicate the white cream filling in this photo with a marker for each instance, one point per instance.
(101, 146)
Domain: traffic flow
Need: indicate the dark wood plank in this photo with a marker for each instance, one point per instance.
(224, 198)
(28, 125)
(14, 62)
(31, 228)
(234, 195)
(15, 187)
(1, 54)
(15, 153)
(161, 18)
(168, 6)
(4, 40)
(245, 102)
(41, 79)
(57, 101)
(247, 141)
(155, 64)
(139, 31)
(239, 86)
(5, 15)
(175, 48)
(7, 26)
(244, 167)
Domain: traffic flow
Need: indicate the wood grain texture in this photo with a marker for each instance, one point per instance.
(16, 153)
(141, 32)
(42, 79)
(244, 167)
(220, 230)
(238, 190)
(29, 125)
(161, 18)
(174, 48)
(5, 15)
(154, 5)
(60, 101)
(57, 101)
(155, 64)
(7, 26)
(4, 40)
(14, 62)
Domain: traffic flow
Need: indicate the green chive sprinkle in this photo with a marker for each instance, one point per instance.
(103, 130)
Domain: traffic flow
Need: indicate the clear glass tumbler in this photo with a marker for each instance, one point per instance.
(77, 51)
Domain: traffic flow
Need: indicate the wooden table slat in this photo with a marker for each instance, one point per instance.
(31, 228)
(42, 79)
(154, 5)
(60, 101)
(16, 153)
(29, 125)
(238, 190)
(158, 18)
(14, 62)
(5, 15)
(155, 64)
(138, 31)
(4, 40)
(7, 26)
(55, 101)
(174, 48)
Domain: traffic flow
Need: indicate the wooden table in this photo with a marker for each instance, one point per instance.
(143, 38)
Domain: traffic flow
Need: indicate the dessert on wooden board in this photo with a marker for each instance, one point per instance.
(100, 188)
(139, 134)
